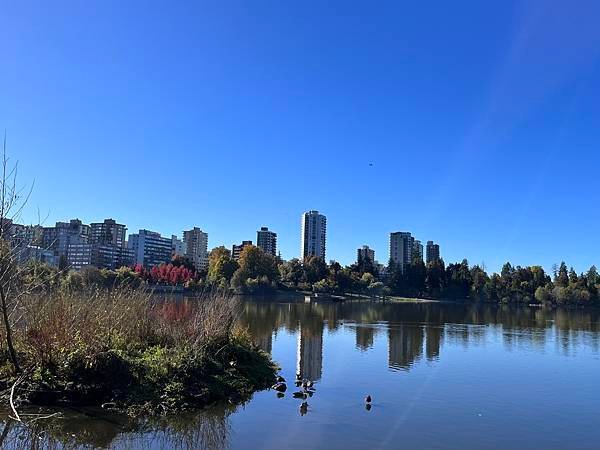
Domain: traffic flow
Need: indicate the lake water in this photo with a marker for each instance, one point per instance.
(441, 375)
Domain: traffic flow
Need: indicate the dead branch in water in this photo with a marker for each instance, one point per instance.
(18, 417)
(12, 399)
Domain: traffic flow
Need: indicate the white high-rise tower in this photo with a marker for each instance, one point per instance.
(401, 248)
(313, 235)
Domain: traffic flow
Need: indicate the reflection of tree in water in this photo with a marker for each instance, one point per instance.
(207, 429)
(412, 324)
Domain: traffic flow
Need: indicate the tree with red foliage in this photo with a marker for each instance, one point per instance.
(168, 273)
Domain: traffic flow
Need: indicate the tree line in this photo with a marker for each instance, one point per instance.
(258, 272)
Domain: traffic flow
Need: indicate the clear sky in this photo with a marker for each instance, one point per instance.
(481, 120)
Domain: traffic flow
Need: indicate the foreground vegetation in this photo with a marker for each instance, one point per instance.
(123, 349)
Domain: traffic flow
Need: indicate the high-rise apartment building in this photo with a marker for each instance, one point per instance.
(433, 252)
(58, 237)
(79, 255)
(196, 247)
(267, 240)
(364, 253)
(236, 250)
(418, 250)
(313, 235)
(108, 245)
(150, 248)
(401, 249)
(108, 232)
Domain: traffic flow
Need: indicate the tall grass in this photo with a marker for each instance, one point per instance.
(99, 320)
(131, 347)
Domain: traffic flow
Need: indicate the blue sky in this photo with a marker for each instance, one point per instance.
(481, 121)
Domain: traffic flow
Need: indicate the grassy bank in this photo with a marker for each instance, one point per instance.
(124, 349)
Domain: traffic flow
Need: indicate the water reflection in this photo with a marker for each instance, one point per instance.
(414, 330)
(433, 341)
(310, 353)
(405, 344)
(365, 336)
(92, 428)
(355, 346)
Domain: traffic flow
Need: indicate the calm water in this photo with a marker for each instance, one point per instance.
(441, 376)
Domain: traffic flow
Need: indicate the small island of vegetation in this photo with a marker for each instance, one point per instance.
(125, 349)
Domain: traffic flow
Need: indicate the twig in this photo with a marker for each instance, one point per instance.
(44, 417)
(11, 399)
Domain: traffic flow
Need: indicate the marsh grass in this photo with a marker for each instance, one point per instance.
(127, 348)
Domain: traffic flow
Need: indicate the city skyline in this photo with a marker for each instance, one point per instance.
(106, 244)
(381, 122)
(286, 247)
(402, 246)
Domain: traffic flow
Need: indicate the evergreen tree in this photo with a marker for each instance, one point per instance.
(562, 277)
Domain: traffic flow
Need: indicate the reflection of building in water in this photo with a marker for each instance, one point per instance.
(405, 345)
(433, 339)
(364, 337)
(264, 342)
(310, 353)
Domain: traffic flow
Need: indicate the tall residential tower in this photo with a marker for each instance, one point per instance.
(365, 252)
(196, 247)
(401, 248)
(108, 232)
(433, 252)
(418, 250)
(313, 235)
(267, 241)
(237, 250)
